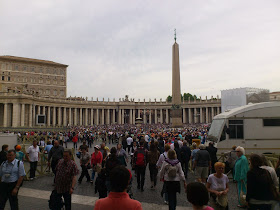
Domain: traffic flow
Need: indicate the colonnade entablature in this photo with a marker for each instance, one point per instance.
(21, 110)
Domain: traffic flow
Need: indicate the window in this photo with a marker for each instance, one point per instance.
(61, 72)
(54, 71)
(55, 92)
(48, 71)
(47, 91)
(16, 67)
(236, 129)
(271, 122)
(3, 66)
(61, 92)
(9, 78)
(32, 69)
(3, 78)
(24, 68)
(41, 70)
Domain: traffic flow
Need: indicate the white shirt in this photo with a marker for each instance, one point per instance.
(147, 138)
(129, 140)
(33, 153)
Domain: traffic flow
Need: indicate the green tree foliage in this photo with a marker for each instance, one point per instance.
(185, 97)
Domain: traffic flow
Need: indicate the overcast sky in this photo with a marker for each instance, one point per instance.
(114, 48)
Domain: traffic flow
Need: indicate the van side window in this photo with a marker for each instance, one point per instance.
(223, 135)
(271, 122)
(236, 129)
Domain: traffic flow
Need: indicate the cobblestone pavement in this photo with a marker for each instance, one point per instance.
(150, 198)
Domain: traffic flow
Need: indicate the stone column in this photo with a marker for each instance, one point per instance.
(201, 115)
(34, 115)
(5, 118)
(102, 116)
(119, 116)
(81, 116)
(86, 120)
(108, 116)
(130, 116)
(206, 113)
(218, 110)
(16, 115)
(114, 116)
(195, 115)
(122, 116)
(138, 113)
(167, 117)
(75, 116)
(64, 117)
(97, 116)
(59, 116)
(54, 116)
(212, 112)
(156, 116)
(44, 110)
(133, 116)
(91, 116)
(30, 115)
(184, 115)
(150, 117)
(22, 115)
(161, 116)
(49, 116)
(70, 116)
(38, 109)
(190, 116)
(144, 117)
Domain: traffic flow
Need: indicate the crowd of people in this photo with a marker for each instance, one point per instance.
(168, 154)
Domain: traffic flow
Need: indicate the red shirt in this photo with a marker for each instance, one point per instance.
(117, 201)
(96, 158)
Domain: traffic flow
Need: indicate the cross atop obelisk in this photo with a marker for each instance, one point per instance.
(176, 114)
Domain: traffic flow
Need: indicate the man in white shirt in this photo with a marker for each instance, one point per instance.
(33, 157)
(129, 141)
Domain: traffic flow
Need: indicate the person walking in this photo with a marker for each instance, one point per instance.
(118, 198)
(65, 180)
(140, 162)
(85, 164)
(213, 155)
(55, 154)
(153, 156)
(3, 153)
(171, 172)
(96, 161)
(11, 173)
(33, 157)
(185, 157)
(202, 164)
(240, 173)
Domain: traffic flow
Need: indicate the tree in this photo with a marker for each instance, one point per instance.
(169, 99)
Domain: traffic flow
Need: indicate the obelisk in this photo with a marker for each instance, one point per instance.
(176, 110)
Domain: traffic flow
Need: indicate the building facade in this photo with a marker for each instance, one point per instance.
(26, 75)
(20, 110)
(31, 87)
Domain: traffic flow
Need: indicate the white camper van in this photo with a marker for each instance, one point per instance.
(256, 127)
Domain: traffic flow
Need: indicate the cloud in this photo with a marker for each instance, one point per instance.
(114, 48)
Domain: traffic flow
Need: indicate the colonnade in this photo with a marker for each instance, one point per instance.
(25, 114)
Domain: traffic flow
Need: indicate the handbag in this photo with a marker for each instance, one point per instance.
(222, 200)
(88, 166)
(97, 168)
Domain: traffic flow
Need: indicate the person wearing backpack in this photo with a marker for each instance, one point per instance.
(140, 162)
(171, 171)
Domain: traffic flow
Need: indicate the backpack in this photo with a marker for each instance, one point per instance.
(171, 171)
(55, 200)
(140, 158)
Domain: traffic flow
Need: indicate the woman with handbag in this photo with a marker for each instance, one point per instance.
(217, 185)
(96, 161)
(240, 175)
(261, 192)
(85, 165)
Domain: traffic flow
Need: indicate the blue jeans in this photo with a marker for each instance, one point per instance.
(92, 175)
